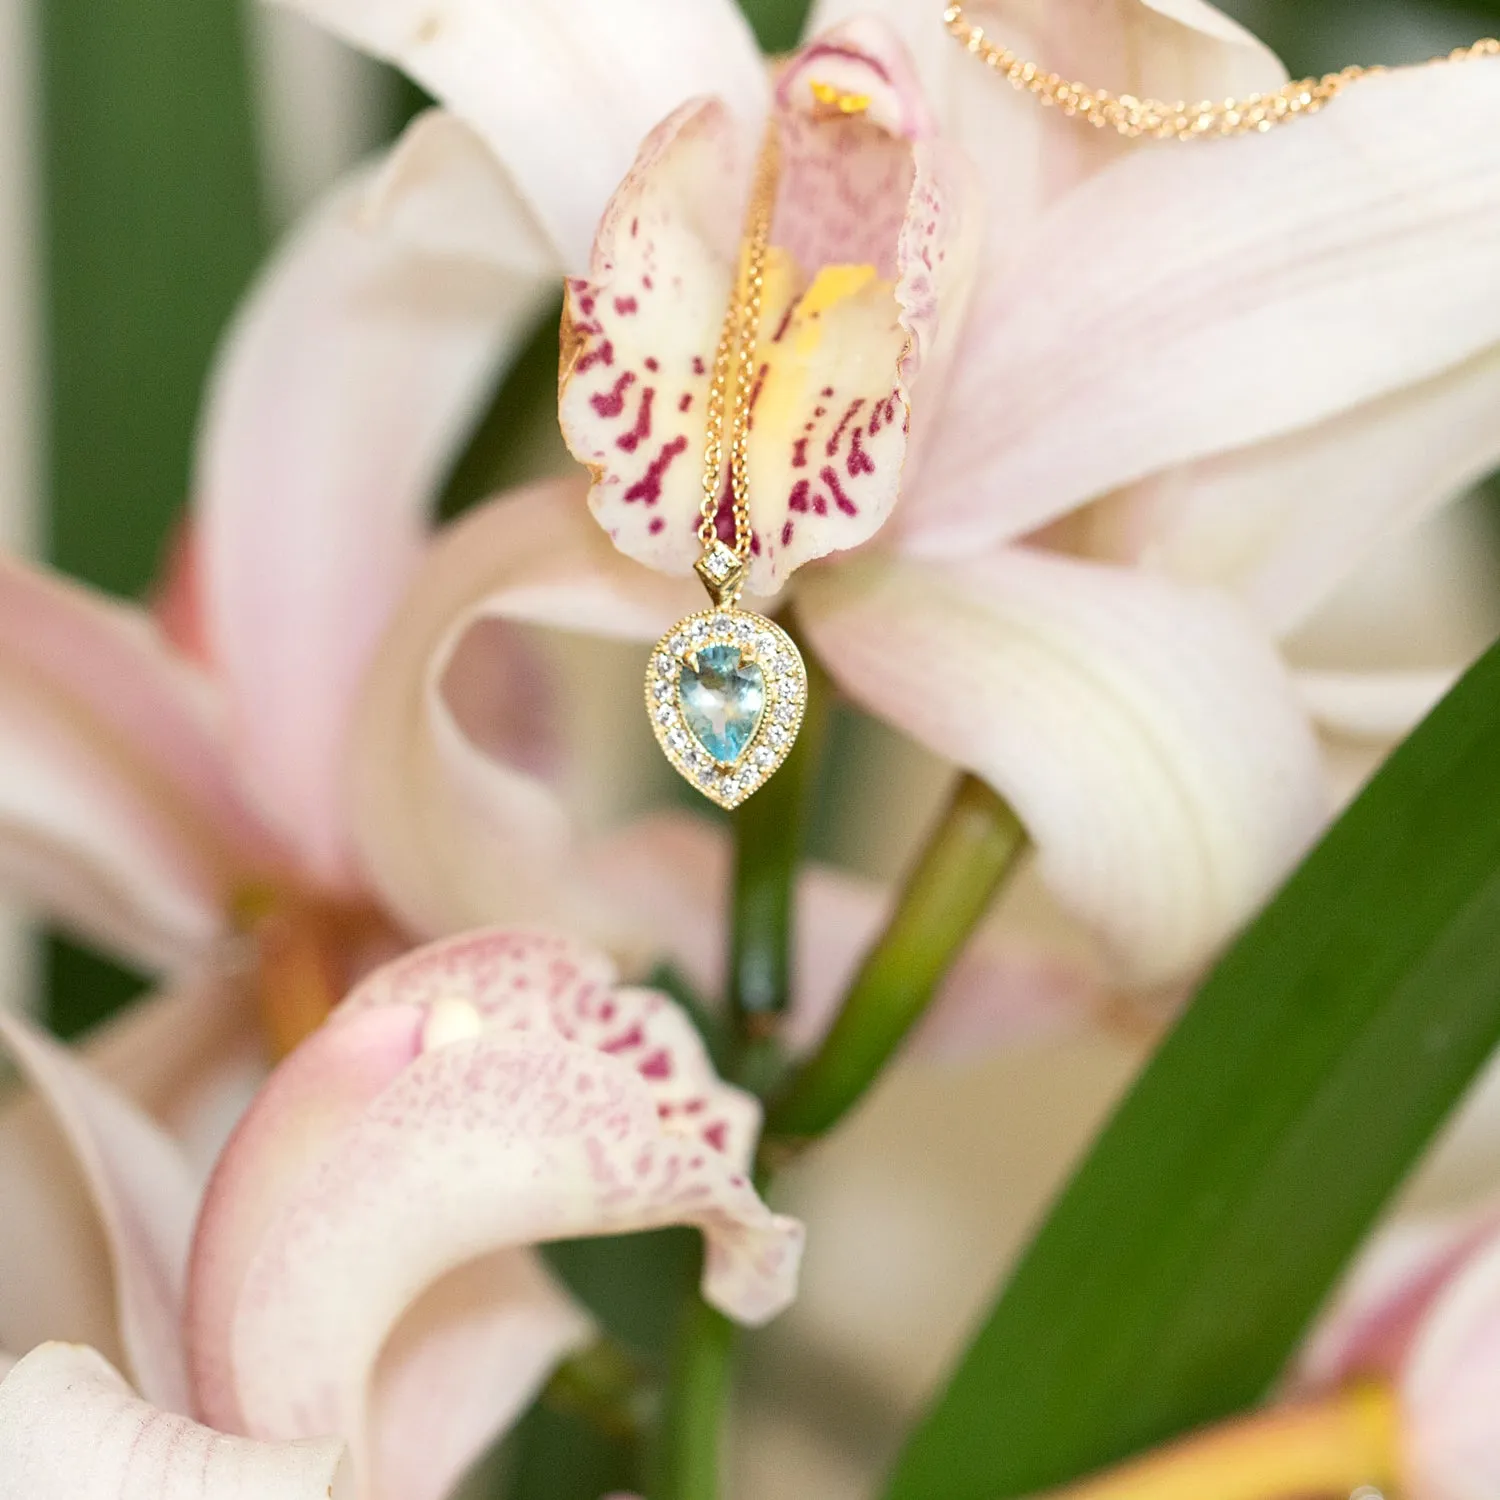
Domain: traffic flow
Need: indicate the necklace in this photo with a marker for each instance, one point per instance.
(726, 689)
(1256, 113)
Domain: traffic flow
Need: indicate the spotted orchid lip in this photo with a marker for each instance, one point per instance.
(725, 692)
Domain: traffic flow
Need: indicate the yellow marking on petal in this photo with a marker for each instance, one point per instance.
(830, 101)
(1332, 1447)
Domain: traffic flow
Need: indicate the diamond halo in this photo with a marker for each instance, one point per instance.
(759, 640)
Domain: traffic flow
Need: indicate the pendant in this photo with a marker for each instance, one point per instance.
(725, 691)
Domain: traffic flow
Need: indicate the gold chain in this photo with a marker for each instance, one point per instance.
(736, 352)
(1181, 121)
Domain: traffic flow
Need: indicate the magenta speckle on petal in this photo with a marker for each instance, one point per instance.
(651, 363)
(628, 442)
(658, 1065)
(799, 453)
(797, 500)
(859, 462)
(611, 403)
(786, 534)
(685, 402)
(699, 368)
(830, 477)
(648, 487)
(657, 526)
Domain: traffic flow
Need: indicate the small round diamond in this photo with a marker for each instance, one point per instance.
(764, 756)
(678, 740)
(663, 690)
(698, 630)
(776, 736)
(665, 666)
(677, 645)
(664, 714)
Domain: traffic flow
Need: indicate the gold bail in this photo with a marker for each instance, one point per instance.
(722, 571)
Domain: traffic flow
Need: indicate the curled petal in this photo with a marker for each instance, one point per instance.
(873, 245)
(337, 401)
(317, 1093)
(562, 95)
(1086, 372)
(455, 828)
(145, 1197)
(118, 807)
(1146, 734)
(1451, 1386)
(548, 1105)
(70, 1429)
(463, 1363)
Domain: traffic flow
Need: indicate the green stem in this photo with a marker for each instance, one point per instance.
(689, 1457)
(768, 834)
(967, 858)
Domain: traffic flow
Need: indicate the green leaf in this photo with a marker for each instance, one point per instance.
(1182, 1265)
(777, 23)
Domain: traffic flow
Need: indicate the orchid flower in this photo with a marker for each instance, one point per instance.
(331, 732)
(1129, 484)
(356, 1304)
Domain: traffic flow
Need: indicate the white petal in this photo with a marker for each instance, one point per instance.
(453, 829)
(1233, 305)
(1146, 734)
(1282, 523)
(70, 1429)
(145, 1196)
(562, 94)
(1379, 706)
(345, 385)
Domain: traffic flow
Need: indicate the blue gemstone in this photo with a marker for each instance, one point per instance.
(722, 701)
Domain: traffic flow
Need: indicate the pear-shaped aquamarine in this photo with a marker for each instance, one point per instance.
(722, 701)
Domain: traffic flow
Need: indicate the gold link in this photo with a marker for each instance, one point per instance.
(1134, 118)
(736, 353)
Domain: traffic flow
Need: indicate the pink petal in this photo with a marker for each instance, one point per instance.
(319, 1092)
(121, 811)
(562, 95)
(1284, 522)
(668, 876)
(70, 1429)
(1146, 733)
(1451, 1387)
(1389, 199)
(873, 251)
(464, 1362)
(1381, 1306)
(455, 826)
(144, 1195)
(338, 401)
(564, 1108)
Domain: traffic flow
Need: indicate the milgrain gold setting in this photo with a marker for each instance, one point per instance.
(758, 640)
